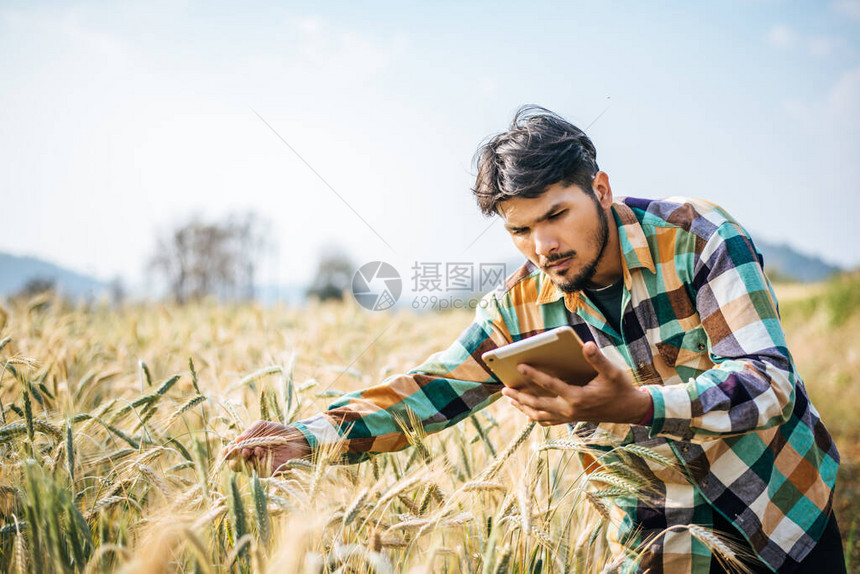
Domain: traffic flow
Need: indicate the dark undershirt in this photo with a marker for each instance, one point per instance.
(608, 300)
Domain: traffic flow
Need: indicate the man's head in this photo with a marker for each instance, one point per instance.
(539, 149)
(542, 178)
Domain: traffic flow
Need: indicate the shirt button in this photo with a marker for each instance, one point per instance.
(705, 483)
(685, 448)
(701, 346)
(641, 364)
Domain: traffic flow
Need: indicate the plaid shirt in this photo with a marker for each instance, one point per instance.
(701, 333)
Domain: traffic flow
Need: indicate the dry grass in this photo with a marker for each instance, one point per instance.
(110, 442)
(822, 331)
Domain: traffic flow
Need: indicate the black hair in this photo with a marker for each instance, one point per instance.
(539, 149)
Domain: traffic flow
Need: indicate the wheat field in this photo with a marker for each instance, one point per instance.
(114, 420)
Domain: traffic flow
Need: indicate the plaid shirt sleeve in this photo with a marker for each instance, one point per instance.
(446, 388)
(752, 384)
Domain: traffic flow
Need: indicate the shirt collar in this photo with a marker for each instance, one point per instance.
(634, 251)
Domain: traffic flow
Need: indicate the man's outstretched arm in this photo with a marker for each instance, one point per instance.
(445, 389)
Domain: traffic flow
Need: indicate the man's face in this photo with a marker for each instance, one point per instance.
(563, 231)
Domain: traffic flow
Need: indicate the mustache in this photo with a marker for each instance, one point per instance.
(558, 257)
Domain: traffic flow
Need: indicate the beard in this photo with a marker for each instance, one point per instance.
(582, 279)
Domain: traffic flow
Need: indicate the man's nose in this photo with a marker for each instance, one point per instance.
(545, 243)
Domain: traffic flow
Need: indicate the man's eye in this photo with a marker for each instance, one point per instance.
(557, 214)
(520, 231)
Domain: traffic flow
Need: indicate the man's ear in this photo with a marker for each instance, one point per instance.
(602, 189)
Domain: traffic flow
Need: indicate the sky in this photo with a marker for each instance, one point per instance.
(354, 124)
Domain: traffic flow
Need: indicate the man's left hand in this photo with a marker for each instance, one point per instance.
(608, 397)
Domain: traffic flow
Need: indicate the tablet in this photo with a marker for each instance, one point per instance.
(557, 352)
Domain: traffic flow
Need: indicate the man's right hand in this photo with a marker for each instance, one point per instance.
(266, 459)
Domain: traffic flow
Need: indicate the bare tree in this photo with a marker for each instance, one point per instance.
(218, 258)
(333, 276)
(36, 286)
(250, 234)
(117, 291)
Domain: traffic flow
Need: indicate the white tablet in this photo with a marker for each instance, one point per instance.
(557, 352)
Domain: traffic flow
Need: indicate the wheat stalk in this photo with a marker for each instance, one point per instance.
(496, 465)
(20, 549)
(265, 441)
(153, 478)
(473, 486)
(110, 501)
(401, 486)
(598, 505)
(190, 404)
(614, 480)
(211, 516)
(256, 375)
(649, 454)
(356, 506)
(103, 548)
(260, 510)
(504, 559)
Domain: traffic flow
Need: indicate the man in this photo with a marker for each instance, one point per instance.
(681, 325)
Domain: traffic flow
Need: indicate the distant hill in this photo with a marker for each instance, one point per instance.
(784, 262)
(16, 271)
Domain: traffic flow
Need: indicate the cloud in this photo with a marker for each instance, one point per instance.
(326, 49)
(65, 32)
(850, 8)
(830, 126)
(822, 46)
(844, 98)
(824, 148)
(841, 106)
(310, 25)
(782, 37)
